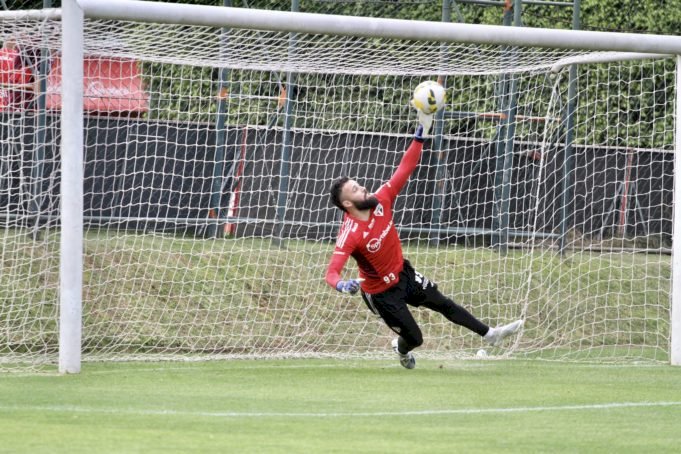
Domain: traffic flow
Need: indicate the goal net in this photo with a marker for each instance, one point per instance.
(207, 222)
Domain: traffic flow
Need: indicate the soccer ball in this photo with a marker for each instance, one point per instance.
(429, 97)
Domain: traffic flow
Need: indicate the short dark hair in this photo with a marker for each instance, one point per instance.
(335, 191)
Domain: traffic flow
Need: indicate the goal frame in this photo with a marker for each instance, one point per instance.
(74, 12)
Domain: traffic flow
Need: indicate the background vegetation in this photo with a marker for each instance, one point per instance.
(163, 296)
(638, 16)
(631, 103)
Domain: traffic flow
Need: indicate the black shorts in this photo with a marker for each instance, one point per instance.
(414, 289)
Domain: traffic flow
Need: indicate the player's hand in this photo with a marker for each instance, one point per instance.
(425, 122)
(350, 286)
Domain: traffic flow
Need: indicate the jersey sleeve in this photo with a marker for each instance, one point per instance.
(341, 254)
(407, 165)
(333, 272)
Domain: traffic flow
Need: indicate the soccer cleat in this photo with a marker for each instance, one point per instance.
(408, 361)
(495, 335)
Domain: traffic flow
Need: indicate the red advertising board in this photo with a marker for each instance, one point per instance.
(110, 85)
(14, 80)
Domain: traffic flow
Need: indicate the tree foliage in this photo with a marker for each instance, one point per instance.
(640, 16)
(633, 97)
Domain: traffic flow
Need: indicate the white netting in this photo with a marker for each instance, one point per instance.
(275, 51)
(196, 247)
(29, 246)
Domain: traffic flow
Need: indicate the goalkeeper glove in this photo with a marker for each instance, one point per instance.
(350, 286)
(425, 122)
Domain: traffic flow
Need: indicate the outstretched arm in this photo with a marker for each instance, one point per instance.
(409, 162)
(410, 159)
(333, 277)
(333, 272)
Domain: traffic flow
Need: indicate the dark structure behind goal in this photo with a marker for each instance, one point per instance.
(159, 176)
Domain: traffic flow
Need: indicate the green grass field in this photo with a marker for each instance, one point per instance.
(343, 406)
(164, 295)
(155, 296)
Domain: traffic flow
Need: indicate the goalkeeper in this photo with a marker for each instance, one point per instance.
(387, 281)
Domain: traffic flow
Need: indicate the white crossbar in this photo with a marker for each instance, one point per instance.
(284, 21)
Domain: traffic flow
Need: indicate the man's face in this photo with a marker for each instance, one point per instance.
(10, 43)
(355, 195)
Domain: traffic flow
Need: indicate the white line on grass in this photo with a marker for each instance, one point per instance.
(203, 367)
(190, 367)
(193, 366)
(237, 414)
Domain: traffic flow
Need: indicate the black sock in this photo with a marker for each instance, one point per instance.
(402, 346)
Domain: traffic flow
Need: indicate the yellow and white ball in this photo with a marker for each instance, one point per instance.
(429, 97)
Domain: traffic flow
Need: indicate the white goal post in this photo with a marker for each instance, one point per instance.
(675, 343)
(521, 208)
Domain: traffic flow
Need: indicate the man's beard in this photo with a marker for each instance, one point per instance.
(366, 204)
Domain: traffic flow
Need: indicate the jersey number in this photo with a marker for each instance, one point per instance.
(389, 278)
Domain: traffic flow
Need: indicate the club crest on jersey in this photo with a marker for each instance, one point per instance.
(378, 211)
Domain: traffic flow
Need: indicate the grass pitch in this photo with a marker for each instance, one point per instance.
(343, 406)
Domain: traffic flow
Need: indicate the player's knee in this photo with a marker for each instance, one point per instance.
(414, 340)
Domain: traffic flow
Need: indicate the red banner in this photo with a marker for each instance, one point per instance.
(110, 85)
(15, 81)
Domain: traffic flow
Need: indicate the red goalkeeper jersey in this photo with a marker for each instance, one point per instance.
(374, 243)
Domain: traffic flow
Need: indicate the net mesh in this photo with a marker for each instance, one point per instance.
(200, 243)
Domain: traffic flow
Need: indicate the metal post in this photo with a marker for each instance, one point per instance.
(71, 249)
(675, 322)
(287, 140)
(569, 163)
(220, 140)
(507, 172)
(517, 13)
(509, 141)
(500, 235)
(438, 157)
(39, 136)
